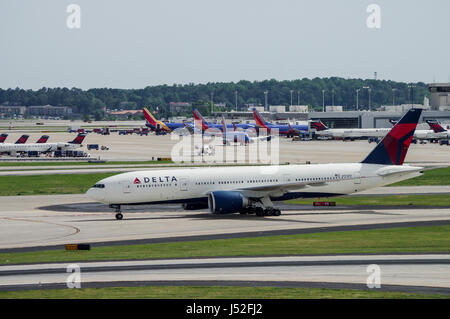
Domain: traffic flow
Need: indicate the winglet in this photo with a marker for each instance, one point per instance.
(393, 147)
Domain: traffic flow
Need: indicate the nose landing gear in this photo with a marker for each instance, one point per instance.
(118, 211)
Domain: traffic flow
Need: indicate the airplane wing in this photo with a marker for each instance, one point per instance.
(279, 189)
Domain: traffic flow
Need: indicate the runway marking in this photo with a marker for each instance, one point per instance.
(76, 229)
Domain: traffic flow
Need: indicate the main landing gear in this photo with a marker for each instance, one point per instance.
(118, 212)
(260, 211)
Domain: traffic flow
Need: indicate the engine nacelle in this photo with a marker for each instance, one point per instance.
(226, 202)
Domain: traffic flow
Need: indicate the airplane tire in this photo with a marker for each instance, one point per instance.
(119, 216)
(277, 212)
(259, 211)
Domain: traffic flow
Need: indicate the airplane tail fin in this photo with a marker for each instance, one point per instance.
(259, 119)
(435, 126)
(3, 137)
(318, 125)
(23, 139)
(198, 117)
(79, 139)
(149, 117)
(224, 125)
(43, 139)
(393, 147)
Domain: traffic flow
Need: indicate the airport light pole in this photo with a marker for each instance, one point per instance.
(393, 96)
(332, 97)
(357, 99)
(212, 103)
(411, 93)
(235, 99)
(368, 89)
(323, 100)
(292, 91)
(298, 97)
(265, 100)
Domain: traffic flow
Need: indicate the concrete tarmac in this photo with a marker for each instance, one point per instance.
(44, 221)
(412, 273)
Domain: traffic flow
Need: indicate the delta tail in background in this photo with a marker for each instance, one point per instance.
(41, 146)
(253, 189)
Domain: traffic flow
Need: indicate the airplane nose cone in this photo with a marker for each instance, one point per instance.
(96, 194)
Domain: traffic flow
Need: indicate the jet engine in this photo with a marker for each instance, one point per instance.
(227, 202)
(195, 206)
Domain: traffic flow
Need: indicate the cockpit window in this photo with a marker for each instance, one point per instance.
(99, 186)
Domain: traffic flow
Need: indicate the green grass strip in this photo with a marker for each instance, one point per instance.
(49, 184)
(214, 292)
(438, 176)
(391, 200)
(393, 240)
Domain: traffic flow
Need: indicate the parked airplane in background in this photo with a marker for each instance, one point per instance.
(251, 189)
(440, 132)
(157, 125)
(199, 117)
(348, 133)
(288, 129)
(13, 149)
(3, 137)
(355, 133)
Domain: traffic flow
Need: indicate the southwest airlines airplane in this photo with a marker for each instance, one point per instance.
(282, 129)
(41, 147)
(248, 189)
(205, 125)
(155, 124)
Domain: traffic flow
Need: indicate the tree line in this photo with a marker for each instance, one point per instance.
(334, 90)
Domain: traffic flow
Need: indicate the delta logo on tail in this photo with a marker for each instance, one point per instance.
(43, 139)
(79, 139)
(435, 126)
(3, 137)
(393, 147)
(23, 139)
(318, 125)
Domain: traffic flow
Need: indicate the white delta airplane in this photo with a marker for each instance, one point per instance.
(354, 133)
(252, 189)
(42, 147)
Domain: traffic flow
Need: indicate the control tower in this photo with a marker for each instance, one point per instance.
(440, 96)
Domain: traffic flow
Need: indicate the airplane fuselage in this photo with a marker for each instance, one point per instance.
(38, 147)
(194, 184)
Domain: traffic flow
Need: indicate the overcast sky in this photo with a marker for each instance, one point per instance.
(135, 43)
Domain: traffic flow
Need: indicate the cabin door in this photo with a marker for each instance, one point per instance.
(184, 184)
